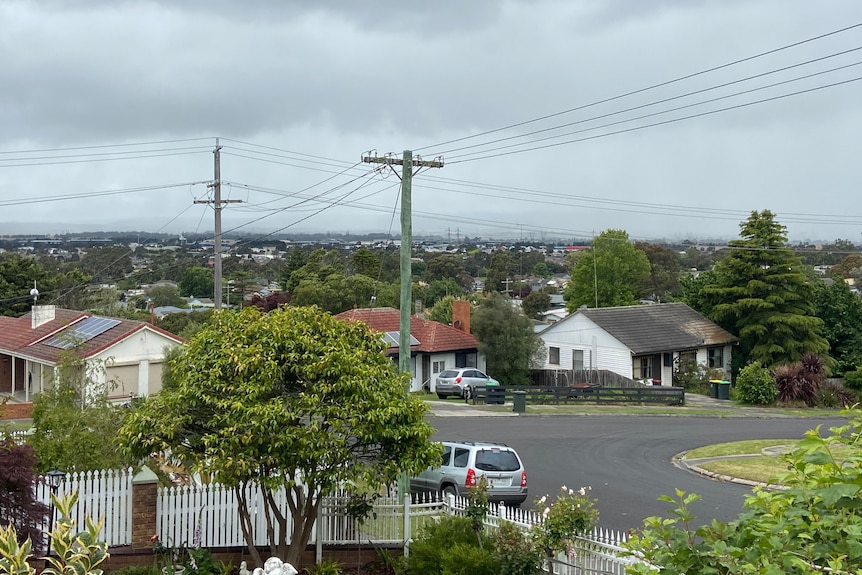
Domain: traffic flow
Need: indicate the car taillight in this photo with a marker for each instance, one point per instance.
(471, 478)
(523, 479)
(458, 379)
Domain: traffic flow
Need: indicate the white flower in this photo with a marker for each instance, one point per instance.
(582, 491)
(543, 499)
(546, 511)
(572, 492)
(563, 488)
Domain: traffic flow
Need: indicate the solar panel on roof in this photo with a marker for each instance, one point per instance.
(81, 332)
(392, 338)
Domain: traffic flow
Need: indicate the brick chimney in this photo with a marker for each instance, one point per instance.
(461, 315)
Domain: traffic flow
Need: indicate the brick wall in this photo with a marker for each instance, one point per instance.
(16, 411)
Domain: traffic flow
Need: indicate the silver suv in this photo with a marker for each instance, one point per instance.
(461, 382)
(464, 462)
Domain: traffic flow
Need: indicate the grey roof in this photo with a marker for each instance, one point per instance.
(659, 328)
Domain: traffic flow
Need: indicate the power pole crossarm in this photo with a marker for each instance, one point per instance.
(407, 164)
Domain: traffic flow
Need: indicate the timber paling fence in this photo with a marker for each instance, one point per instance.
(207, 516)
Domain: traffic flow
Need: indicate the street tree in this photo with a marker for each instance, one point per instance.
(293, 399)
(444, 266)
(611, 273)
(507, 339)
(762, 295)
(366, 262)
(440, 288)
(165, 295)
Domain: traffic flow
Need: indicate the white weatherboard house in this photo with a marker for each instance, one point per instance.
(131, 353)
(644, 342)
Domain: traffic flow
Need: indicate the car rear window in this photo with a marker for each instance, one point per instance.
(449, 373)
(497, 460)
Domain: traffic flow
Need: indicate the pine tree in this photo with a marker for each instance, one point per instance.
(762, 295)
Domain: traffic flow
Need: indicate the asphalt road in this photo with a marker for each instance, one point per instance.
(625, 459)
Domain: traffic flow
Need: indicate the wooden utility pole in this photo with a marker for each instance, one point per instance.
(407, 164)
(217, 204)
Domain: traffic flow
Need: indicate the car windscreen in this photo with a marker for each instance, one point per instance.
(497, 460)
(448, 373)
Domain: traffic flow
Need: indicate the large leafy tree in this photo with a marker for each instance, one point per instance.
(500, 271)
(291, 399)
(762, 294)
(841, 312)
(611, 273)
(507, 339)
(663, 280)
(17, 277)
(197, 281)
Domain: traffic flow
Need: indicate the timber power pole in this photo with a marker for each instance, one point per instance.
(217, 205)
(407, 164)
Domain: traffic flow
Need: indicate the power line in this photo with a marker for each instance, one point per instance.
(652, 87)
(653, 125)
(102, 159)
(158, 142)
(669, 99)
(82, 195)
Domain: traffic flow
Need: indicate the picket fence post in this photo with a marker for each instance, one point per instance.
(407, 535)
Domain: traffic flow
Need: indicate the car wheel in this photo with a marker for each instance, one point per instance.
(449, 490)
(442, 395)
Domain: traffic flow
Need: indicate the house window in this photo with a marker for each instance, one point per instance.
(687, 361)
(554, 355)
(465, 359)
(438, 366)
(578, 359)
(642, 367)
(715, 357)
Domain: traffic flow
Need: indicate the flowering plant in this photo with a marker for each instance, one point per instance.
(572, 513)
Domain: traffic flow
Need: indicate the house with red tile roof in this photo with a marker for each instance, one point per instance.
(434, 346)
(131, 352)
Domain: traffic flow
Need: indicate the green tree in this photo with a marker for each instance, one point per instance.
(365, 262)
(438, 289)
(611, 273)
(500, 271)
(274, 399)
(447, 266)
(165, 295)
(841, 312)
(762, 295)
(442, 310)
(536, 303)
(75, 426)
(197, 281)
(17, 277)
(181, 323)
(507, 339)
(663, 280)
(104, 264)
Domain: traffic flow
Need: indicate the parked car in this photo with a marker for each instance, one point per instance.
(461, 382)
(464, 462)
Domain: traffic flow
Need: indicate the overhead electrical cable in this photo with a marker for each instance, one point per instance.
(648, 88)
(102, 146)
(48, 163)
(670, 99)
(455, 160)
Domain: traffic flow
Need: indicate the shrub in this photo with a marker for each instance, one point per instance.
(853, 379)
(515, 551)
(800, 381)
(573, 513)
(832, 395)
(18, 504)
(451, 546)
(133, 570)
(325, 567)
(755, 385)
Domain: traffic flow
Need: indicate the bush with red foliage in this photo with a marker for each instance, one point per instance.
(18, 504)
(800, 381)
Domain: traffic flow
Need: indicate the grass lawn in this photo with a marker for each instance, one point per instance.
(738, 447)
(760, 468)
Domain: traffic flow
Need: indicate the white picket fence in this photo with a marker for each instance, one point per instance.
(101, 495)
(207, 515)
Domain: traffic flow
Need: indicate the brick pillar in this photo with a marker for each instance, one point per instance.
(144, 491)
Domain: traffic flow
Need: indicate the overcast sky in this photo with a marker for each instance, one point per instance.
(555, 119)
